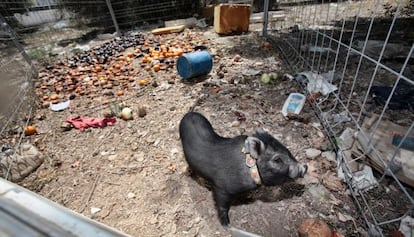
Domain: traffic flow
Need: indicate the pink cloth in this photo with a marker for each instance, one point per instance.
(82, 123)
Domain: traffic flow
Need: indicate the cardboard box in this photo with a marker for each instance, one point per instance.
(208, 12)
(231, 18)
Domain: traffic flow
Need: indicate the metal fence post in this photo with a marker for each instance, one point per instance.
(265, 17)
(111, 11)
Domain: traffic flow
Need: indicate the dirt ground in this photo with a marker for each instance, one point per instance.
(135, 172)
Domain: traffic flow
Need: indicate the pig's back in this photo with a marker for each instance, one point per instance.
(206, 152)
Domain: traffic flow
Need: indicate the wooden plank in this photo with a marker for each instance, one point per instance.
(168, 30)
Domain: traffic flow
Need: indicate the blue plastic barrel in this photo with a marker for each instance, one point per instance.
(194, 64)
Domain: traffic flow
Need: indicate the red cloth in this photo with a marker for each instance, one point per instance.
(82, 123)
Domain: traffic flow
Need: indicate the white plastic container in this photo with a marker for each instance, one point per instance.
(293, 104)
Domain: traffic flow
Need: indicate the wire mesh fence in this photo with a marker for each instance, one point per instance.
(17, 100)
(354, 61)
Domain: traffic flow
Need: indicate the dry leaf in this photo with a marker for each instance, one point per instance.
(312, 169)
(332, 182)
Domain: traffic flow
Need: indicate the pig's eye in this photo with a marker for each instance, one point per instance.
(276, 159)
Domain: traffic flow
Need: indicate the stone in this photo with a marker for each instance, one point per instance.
(112, 157)
(142, 112)
(312, 153)
(329, 155)
(235, 123)
(95, 210)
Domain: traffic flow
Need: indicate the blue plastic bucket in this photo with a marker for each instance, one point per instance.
(194, 64)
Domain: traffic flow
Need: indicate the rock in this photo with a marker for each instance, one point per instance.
(108, 92)
(174, 151)
(134, 146)
(329, 155)
(66, 127)
(326, 146)
(131, 195)
(95, 210)
(314, 228)
(140, 157)
(344, 217)
(237, 58)
(319, 192)
(142, 111)
(112, 157)
(235, 123)
(312, 153)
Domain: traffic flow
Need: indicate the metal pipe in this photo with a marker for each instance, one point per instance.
(111, 11)
(265, 17)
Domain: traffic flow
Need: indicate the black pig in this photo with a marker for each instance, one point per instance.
(235, 165)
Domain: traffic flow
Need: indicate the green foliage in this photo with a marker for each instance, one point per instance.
(41, 55)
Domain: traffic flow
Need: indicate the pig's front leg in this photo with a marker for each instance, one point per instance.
(222, 200)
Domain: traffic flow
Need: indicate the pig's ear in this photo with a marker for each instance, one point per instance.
(256, 146)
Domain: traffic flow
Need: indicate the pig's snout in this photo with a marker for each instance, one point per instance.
(297, 170)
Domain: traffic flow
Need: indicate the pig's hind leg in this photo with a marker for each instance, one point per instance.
(222, 200)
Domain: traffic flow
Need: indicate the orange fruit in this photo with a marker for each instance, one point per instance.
(117, 66)
(156, 67)
(179, 52)
(119, 93)
(98, 69)
(29, 130)
(54, 97)
(121, 58)
(147, 68)
(142, 82)
(130, 55)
